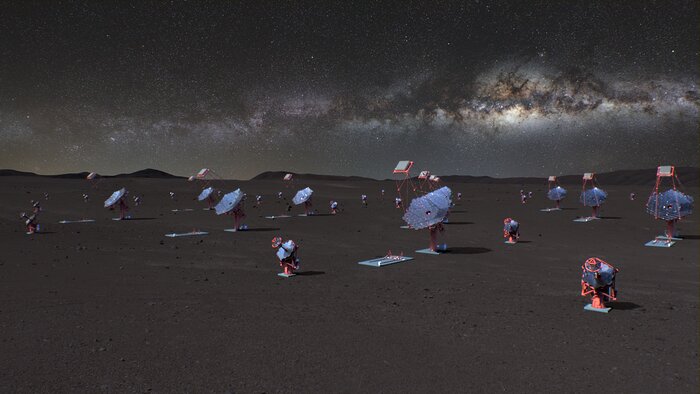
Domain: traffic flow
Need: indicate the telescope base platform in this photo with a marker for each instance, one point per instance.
(586, 219)
(193, 233)
(386, 260)
(660, 243)
(278, 216)
(282, 274)
(665, 238)
(550, 209)
(429, 251)
(77, 221)
(589, 307)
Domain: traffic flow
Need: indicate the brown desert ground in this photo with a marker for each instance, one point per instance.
(118, 307)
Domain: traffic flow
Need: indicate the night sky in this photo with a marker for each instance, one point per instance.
(512, 88)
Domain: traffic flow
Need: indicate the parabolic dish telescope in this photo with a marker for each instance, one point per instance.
(592, 197)
(303, 196)
(231, 204)
(670, 206)
(429, 211)
(118, 198)
(555, 193)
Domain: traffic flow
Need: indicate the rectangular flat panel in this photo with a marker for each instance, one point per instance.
(202, 173)
(403, 166)
(665, 171)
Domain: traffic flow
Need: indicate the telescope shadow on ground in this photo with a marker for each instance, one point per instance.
(467, 250)
(623, 305)
(310, 273)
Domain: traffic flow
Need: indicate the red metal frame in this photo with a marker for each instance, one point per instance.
(238, 214)
(206, 175)
(434, 229)
(403, 181)
(123, 208)
(423, 181)
(308, 207)
(433, 182)
(661, 173)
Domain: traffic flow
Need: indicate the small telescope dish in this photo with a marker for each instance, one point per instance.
(302, 196)
(115, 197)
(588, 176)
(288, 177)
(511, 231)
(208, 195)
(552, 178)
(205, 193)
(424, 175)
(91, 176)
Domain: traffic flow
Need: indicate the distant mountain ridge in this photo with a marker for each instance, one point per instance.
(689, 176)
(278, 175)
(146, 173)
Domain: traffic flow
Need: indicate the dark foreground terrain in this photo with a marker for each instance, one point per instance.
(118, 307)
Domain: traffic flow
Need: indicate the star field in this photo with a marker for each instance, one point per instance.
(483, 88)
